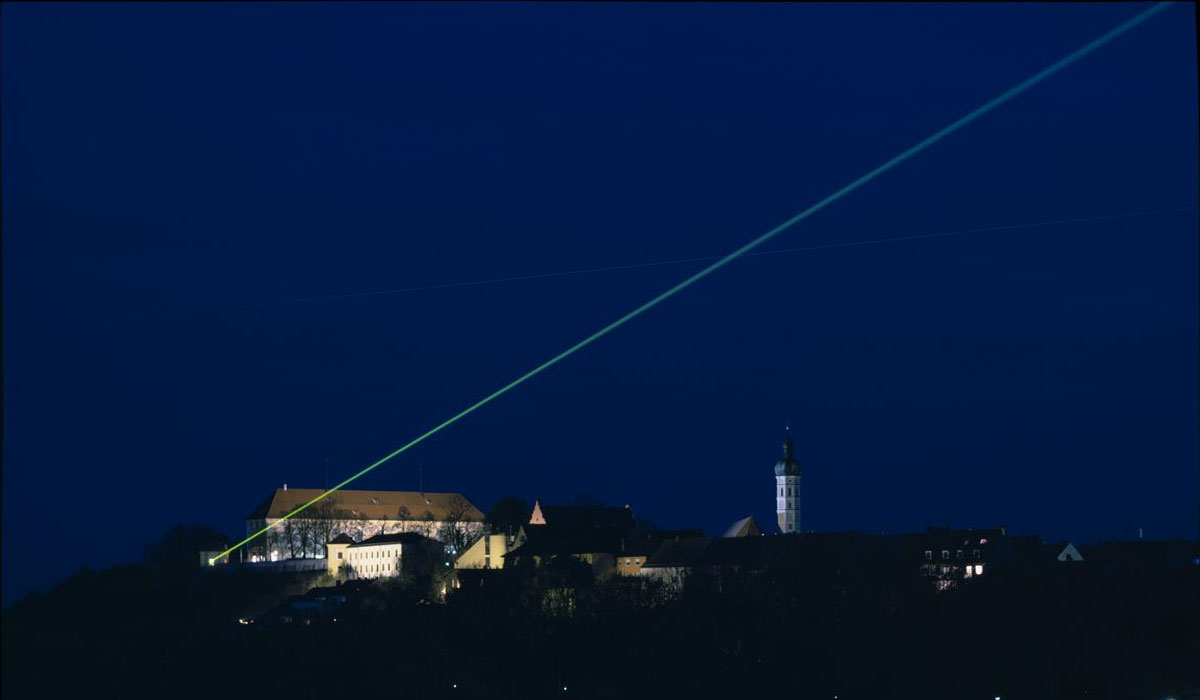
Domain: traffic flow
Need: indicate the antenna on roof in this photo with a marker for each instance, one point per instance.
(326, 473)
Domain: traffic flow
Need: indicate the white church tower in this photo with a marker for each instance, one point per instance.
(787, 488)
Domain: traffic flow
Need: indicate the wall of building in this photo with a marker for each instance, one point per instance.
(486, 553)
(374, 561)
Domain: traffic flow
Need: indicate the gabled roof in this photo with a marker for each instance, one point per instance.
(342, 539)
(684, 552)
(746, 527)
(370, 505)
(545, 540)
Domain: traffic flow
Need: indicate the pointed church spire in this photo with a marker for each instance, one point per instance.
(787, 443)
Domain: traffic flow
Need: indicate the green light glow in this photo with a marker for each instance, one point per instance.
(705, 272)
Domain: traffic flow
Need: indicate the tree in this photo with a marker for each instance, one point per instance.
(329, 520)
(291, 537)
(179, 548)
(404, 515)
(583, 498)
(509, 514)
(460, 528)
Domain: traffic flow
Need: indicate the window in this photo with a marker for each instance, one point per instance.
(958, 554)
(928, 555)
(339, 555)
(975, 554)
(945, 554)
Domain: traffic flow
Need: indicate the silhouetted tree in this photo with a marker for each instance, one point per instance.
(509, 514)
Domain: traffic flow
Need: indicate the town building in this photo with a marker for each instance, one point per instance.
(358, 514)
(381, 556)
(487, 552)
(591, 534)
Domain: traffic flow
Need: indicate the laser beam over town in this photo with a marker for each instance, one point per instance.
(723, 261)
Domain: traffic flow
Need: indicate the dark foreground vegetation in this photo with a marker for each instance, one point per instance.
(163, 629)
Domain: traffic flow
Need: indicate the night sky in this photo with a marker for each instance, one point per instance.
(170, 170)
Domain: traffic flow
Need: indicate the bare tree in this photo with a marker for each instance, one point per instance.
(329, 520)
(404, 515)
(460, 527)
(291, 537)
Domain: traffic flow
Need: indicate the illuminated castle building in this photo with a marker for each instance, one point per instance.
(787, 488)
(358, 515)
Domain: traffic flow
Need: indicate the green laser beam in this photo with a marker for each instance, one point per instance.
(705, 272)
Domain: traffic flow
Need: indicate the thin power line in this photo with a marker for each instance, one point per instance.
(708, 258)
(746, 248)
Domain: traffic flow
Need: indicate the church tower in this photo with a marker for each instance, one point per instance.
(787, 488)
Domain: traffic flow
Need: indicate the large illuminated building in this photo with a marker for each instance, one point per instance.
(787, 488)
(358, 515)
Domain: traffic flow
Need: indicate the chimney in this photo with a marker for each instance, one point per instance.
(285, 486)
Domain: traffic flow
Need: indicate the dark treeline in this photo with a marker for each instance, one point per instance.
(164, 629)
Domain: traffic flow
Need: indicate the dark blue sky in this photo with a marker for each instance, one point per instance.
(171, 158)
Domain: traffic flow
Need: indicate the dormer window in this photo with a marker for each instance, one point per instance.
(928, 555)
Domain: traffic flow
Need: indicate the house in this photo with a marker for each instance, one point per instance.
(592, 534)
(381, 556)
(487, 552)
(945, 557)
(359, 514)
(1068, 553)
(638, 547)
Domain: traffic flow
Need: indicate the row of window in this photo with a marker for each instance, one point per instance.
(375, 554)
(946, 554)
(789, 491)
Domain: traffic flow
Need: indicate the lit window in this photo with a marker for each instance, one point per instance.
(978, 569)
